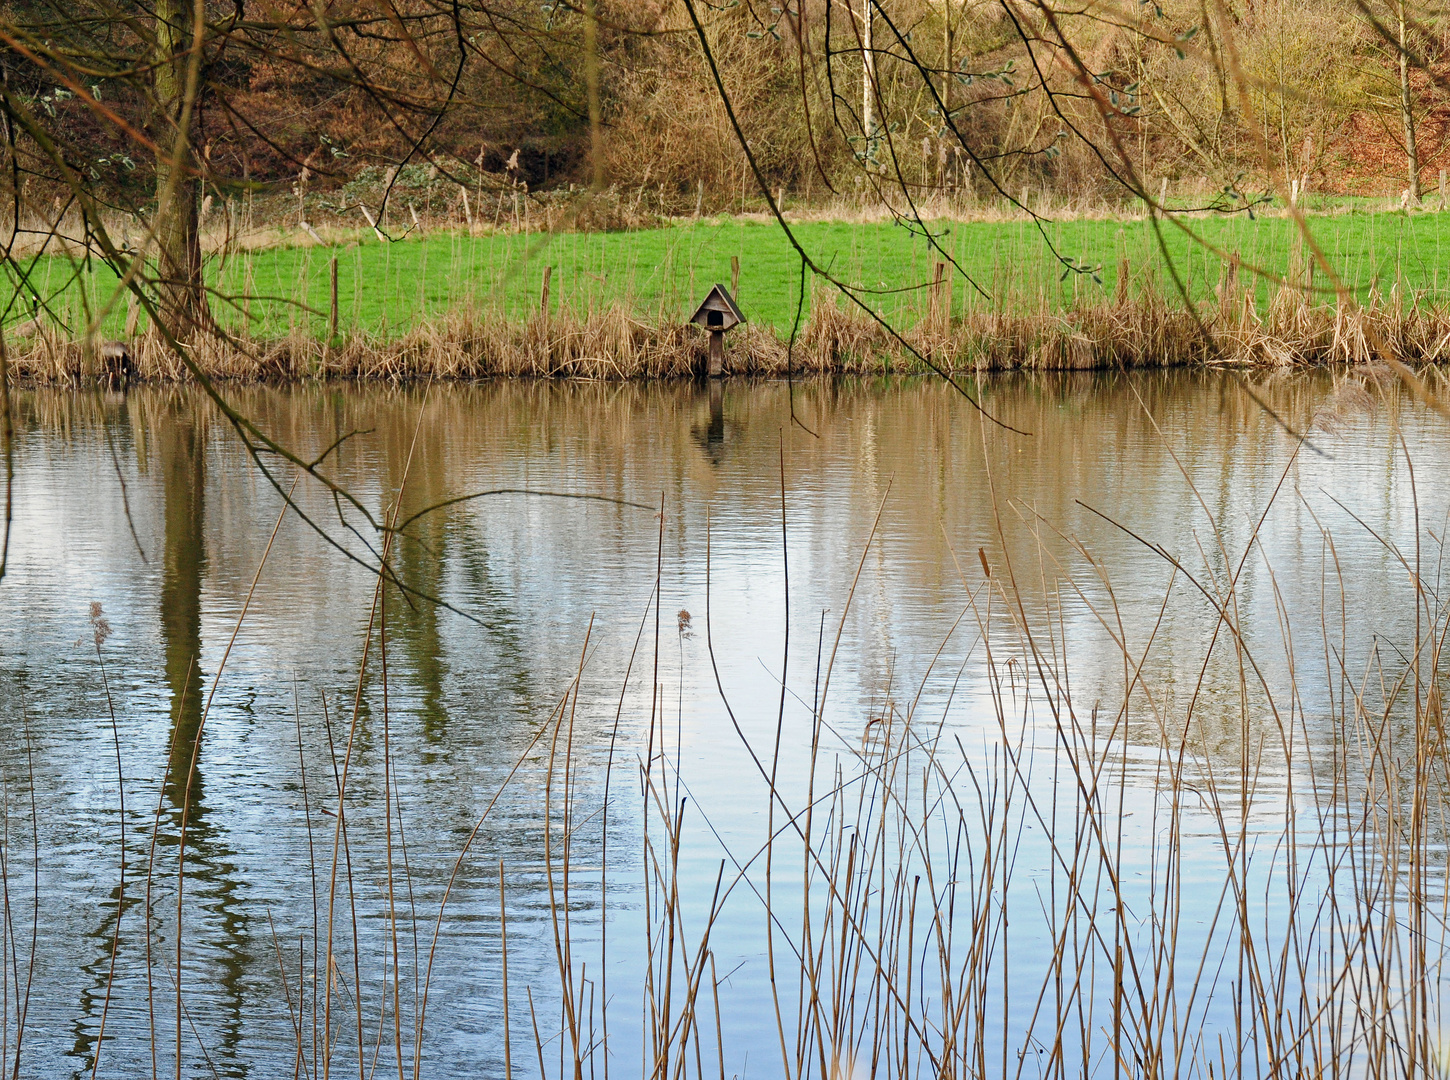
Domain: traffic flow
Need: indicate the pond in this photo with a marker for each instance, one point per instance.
(827, 729)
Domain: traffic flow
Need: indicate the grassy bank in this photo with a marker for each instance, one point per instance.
(456, 304)
(614, 344)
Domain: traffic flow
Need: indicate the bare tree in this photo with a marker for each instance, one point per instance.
(179, 43)
(1407, 108)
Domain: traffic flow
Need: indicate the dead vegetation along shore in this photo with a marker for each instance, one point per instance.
(1143, 331)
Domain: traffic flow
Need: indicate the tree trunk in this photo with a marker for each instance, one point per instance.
(1407, 114)
(178, 186)
(868, 74)
(948, 63)
(591, 88)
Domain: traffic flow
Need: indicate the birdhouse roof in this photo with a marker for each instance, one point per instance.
(717, 299)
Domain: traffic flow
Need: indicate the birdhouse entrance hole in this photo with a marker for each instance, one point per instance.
(715, 318)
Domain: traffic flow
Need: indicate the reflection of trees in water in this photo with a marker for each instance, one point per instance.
(1091, 441)
(180, 442)
(86, 1023)
(179, 433)
(418, 560)
(176, 429)
(421, 558)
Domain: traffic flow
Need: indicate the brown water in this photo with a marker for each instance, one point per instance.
(148, 505)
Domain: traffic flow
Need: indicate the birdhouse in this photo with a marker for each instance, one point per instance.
(717, 313)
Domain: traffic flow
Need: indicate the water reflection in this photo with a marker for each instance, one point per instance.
(214, 956)
(417, 478)
(180, 439)
(712, 436)
(468, 689)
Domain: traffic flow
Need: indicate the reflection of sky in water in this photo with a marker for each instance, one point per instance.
(468, 691)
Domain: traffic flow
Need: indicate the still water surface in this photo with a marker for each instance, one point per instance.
(148, 506)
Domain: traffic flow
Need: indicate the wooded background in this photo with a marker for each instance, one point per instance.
(168, 112)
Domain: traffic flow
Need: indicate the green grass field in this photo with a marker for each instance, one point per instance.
(660, 273)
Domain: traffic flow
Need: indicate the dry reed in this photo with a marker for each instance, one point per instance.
(614, 343)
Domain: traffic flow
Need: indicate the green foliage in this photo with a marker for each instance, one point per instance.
(417, 182)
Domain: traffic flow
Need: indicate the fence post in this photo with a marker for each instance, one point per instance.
(941, 305)
(332, 308)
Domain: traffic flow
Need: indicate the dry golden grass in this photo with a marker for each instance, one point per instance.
(1144, 331)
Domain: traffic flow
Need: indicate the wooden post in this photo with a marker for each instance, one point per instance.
(332, 309)
(1442, 189)
(941, 313)
(717, 353)
(544, 293)
(735, 276)
(372, 224)
(1163, 193)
